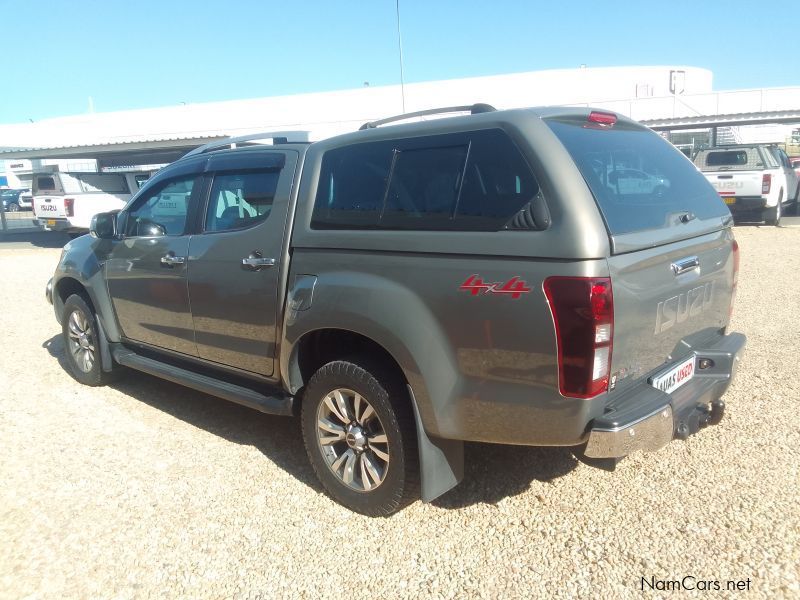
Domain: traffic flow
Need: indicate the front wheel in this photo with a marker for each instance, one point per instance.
(80, 334)
(358, 430)
(13, 207)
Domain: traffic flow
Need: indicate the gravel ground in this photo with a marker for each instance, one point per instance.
(148, 489)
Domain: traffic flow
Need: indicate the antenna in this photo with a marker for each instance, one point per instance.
(400, 47)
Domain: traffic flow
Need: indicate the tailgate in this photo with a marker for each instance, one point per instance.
(49, 207)
(748, 183)
(668, 300)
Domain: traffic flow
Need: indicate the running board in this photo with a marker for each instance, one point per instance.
(273, 405)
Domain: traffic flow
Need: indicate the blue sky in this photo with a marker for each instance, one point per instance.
(148, 53)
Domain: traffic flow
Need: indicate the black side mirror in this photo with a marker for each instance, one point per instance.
(104, 225)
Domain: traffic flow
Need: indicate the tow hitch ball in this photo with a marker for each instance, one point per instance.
(712, 414)
(717, 410)
(703, 416)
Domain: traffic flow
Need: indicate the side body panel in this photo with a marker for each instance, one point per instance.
(150, 298)
(482, 365)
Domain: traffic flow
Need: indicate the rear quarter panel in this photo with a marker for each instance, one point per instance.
(482, 365)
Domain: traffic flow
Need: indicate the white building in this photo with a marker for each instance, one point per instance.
(645, 92)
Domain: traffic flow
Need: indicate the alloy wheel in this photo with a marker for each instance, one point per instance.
(81, 340)
(352, 440)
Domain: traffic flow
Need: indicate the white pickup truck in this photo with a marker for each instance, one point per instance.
(68, 201)
(756, 181)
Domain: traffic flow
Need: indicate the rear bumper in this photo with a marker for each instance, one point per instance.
(646, 419)
(54, 224)
(746, 206)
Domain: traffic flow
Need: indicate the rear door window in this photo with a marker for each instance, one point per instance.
(240, 200)
(639, 180)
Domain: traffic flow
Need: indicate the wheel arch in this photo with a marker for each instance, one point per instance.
(441, 460)
(66, 287)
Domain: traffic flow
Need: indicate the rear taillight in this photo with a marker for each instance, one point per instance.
(69, 206)
(766, 183)
(735, 281)
(583, 313)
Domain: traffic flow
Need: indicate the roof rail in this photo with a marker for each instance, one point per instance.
(277, 137)
(473, 109)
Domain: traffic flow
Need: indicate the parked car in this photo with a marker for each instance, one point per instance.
(406, 288)
(13, 200)
(632, 181)
(26, 199)
(795, 163)
(754, 180)
(67, 201)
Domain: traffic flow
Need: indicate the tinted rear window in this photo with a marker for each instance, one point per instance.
(732, 159)
(46, 183)
(728, 157)
(639, 180)
(472, 181)
(103, 183)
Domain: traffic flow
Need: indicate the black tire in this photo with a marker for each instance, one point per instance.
(772, 216)
(13, 207)
(79, 317)
(387, 396)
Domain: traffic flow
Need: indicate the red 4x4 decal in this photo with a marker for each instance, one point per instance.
(514, 286)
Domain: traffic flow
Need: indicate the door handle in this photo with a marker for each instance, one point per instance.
(256, 262)
(171, 260)
(684, 265)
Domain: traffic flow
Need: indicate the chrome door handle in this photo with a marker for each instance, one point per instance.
(256, 262)
(685, 264)
(171, 260)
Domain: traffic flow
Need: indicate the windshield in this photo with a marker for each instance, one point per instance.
(639, 180)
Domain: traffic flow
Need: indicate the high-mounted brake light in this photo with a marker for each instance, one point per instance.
(69, 206)
(583, 313)
(602, 118)
(766, 183)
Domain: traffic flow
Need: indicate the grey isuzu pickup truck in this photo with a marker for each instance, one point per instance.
(550, 277)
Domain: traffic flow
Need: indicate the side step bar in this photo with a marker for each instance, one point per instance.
(273, 405)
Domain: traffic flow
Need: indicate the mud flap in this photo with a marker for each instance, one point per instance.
(441, 462)
(106, 362)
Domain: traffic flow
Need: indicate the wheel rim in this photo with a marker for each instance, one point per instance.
(13, 207)
(352, 440)
(81, 340)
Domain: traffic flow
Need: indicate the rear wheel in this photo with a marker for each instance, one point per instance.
(81, 342)
(358, 429)
(772, 216)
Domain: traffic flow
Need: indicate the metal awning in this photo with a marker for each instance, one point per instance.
(116, 153)
(730, 120)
